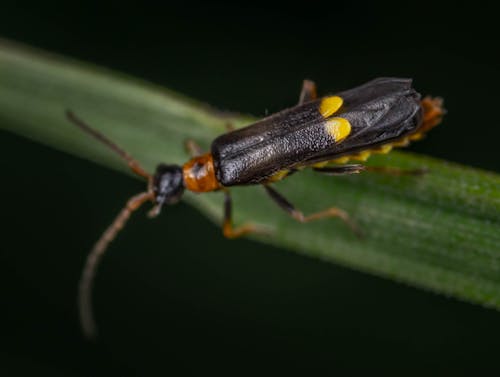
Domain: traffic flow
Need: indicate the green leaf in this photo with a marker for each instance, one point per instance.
(439, 231)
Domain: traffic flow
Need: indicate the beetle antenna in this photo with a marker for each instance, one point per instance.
(132, 163)
(95, 256)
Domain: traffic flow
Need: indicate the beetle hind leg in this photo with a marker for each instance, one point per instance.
(299, 215)
(358, 168)
(340, 169)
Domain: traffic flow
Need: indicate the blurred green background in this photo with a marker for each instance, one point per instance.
(173, 295)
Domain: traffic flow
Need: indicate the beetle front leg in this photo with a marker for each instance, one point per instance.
(227, 226)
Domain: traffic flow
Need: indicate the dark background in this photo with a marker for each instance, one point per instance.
(173, 295)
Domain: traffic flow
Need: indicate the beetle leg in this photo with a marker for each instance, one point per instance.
(227, 227)
(308, 92)
(341, 169)
(357, 168)
(192, 148)
(299, 216)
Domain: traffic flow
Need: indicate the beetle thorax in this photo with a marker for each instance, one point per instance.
(199, 174)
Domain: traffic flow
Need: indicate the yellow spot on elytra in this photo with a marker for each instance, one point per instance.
(330, 105)
(339, 128)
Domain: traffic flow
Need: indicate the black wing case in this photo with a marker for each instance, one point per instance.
(380, 111)
(254, 153)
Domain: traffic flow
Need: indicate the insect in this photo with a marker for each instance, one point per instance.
(319, 133)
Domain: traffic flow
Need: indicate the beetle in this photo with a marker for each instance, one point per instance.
(320, 133)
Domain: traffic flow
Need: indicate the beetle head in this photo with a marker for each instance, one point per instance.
(168, 184)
